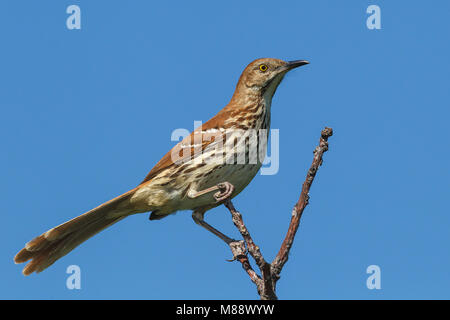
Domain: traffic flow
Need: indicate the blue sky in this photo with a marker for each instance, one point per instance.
(87, 113)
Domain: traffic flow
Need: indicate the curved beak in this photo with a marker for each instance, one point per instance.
(293, 64)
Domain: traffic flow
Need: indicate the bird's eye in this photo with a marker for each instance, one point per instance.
(263, 67)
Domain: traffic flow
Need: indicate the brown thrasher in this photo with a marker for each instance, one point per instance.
(185, 177)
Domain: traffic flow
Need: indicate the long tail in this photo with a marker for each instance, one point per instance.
(45, 249)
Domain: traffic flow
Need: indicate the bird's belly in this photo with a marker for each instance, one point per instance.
(239, 175)
(170, 196)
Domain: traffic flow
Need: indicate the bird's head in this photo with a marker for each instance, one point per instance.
(261, 73)
(262, 77)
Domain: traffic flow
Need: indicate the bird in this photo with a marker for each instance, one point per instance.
(199, 173)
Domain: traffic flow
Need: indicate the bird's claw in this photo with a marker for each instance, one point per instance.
(225, 191)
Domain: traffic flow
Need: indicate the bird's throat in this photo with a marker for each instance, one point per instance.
(269, 90)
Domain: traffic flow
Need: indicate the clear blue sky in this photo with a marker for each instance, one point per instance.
(86, 113)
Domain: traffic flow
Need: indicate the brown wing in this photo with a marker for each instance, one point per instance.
(214, 123)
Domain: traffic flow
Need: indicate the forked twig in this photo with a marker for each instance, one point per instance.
(270, 272)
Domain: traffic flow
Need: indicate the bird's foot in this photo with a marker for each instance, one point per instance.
(225, 191)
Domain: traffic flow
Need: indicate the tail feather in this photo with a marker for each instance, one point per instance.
(45, 249)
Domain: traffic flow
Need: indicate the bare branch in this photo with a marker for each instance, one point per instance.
(265, 288)
(282, 256)
(240, 253)
(270, 272)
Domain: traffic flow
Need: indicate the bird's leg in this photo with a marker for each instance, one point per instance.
(225, 191)
(198, 216)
